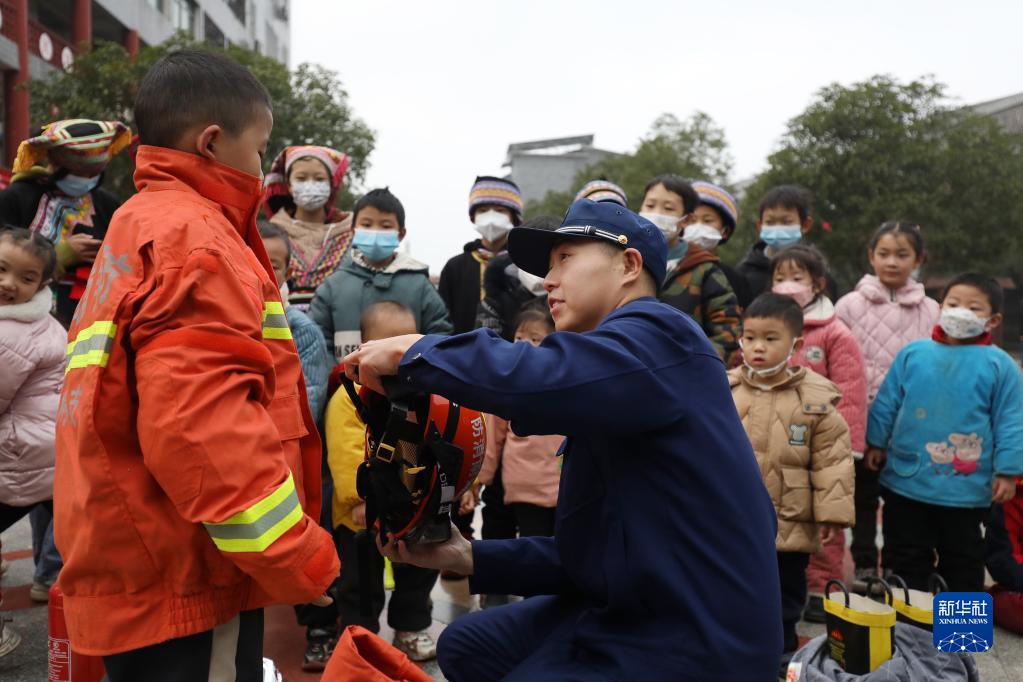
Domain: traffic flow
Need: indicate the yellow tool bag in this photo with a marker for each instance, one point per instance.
(860, 630)
(916, 607)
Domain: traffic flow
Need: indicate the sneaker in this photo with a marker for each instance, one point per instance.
(40, 592)
(318, 648)
(814, 611)
(859, 584)
(418, 646)
(9, 639)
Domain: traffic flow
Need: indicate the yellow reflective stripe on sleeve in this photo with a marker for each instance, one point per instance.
(92, 346)
(275, 322)
(254, 529)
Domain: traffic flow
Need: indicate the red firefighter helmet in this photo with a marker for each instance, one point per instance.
(423, 452)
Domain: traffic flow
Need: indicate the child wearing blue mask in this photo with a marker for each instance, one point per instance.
(376, 271)
(783, 220)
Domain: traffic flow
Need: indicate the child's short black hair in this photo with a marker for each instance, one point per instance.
(786, 196)
(268, 230)
(36, 244)
(678, 185)
(777, 307)
(911, 231)
(195, 87)
(530, 313)
(989, 285)
(383, 201)
(380, 309)
(806, 256)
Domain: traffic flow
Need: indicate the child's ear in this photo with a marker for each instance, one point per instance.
(685, 220)
(993, 322)
(401, 233)
(797, 345)
(806, 225)
(820, 285)
(205, 141)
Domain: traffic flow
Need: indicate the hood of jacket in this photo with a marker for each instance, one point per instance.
(820, 311)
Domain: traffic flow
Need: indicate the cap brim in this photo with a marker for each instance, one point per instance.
(530, 247)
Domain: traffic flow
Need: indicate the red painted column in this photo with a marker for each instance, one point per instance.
(131, 42)
(81, 24)
(15, 98)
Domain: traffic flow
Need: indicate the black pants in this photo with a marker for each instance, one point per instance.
(533, 520)
(792, 573)
(233, 651)
(921, 539)
(498, 518)
(864, 534)
(11, 515)
(410, 609)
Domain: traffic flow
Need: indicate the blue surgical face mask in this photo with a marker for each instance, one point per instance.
(780, 236)
(76, 185)
(376, 245)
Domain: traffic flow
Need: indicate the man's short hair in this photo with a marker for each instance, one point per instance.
(192, 87)
(773, 306)
(984, 283)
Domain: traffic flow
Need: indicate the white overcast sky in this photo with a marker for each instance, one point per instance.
(448, 85)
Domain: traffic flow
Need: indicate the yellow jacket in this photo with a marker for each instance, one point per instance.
(346, 449)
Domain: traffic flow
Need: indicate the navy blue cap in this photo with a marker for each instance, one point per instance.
(530, 247)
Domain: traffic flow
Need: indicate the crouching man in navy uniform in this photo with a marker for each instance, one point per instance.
(663, 564)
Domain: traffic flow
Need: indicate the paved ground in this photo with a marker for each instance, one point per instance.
(285, 640)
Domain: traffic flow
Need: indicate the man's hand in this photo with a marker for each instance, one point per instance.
(84, 247)
(375, 359)
(874, 458)
(359, 515)
(455, 554)
(1003, 489)
(829, 531)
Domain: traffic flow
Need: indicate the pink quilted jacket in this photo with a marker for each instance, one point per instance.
(530, 472)
(831, 350)
(884, 321)
(32, 347)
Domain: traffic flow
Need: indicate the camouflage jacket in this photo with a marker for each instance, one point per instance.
(699, 288)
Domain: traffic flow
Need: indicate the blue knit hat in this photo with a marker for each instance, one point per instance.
(603, 190)
(496, 191)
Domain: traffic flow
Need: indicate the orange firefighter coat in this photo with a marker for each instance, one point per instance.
(186, 452)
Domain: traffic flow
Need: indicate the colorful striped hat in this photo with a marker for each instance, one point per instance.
(603, 190)
(488, 189)
(718, 197)
(78, 145)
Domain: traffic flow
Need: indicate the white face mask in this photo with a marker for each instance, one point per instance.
(703, 235)
(492, 225)
(667, 224)
(310, 195)
(767, 372)
(962, 323)
(284, 293)
(532, 283)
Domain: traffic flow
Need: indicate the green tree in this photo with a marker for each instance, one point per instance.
(694, 148)
(885, 150)
(310, 103)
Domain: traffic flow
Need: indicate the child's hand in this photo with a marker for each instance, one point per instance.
(470, 500)
(874, 459)
(1003, 489)
(359, 514)
(829, 531)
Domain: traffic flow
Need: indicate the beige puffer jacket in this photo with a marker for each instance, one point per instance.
(802, 445)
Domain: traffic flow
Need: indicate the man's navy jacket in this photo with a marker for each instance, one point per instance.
(665, 533)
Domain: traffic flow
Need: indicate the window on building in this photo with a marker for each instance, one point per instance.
(238, 8)
(213, 33)
(183, 14)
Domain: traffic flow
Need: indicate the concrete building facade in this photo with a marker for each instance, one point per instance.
(550, 165)
(37, 36)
